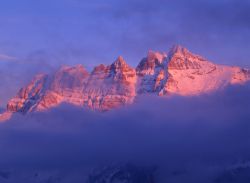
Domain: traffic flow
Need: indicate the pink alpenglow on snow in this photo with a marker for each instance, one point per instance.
(177, 72)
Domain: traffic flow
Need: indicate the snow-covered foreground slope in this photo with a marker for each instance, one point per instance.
(177, 72)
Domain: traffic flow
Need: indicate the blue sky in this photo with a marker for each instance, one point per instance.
(48, 33)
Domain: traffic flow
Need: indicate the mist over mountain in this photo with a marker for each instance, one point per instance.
(191, 139)
(93, 91)
(106, 87)
(176, 117)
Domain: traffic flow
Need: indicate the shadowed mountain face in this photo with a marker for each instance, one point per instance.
(177, 72)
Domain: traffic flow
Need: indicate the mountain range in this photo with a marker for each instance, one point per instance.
(178, 72)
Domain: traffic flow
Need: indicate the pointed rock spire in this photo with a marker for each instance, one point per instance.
(178, 49)
(181, 58)
(120, 61)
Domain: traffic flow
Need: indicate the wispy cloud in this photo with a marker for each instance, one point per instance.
(4, 57)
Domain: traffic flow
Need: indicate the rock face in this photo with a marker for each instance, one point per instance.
(29, 97)
(152, 72)
(191, 74)
(183, 73)
(110, 86)
(106, 87)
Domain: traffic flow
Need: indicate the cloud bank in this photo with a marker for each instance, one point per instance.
(188, 139)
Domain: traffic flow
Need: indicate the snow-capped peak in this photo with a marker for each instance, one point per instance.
(178, 49)
(178, 72)
(120, 62)
(156, 56)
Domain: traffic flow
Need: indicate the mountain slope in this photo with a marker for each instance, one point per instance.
(184, 73)
(106, 87)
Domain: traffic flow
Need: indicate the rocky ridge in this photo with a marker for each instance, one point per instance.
(178, 72)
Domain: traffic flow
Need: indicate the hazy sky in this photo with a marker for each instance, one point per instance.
(97, 31)
(36, 35)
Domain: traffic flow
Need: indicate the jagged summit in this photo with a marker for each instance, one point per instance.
(106, 87)
(180, 58)
(119, 64)
(178, 49)
(99, 68)
(156, 56)
(149, 63)
(120, 61)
